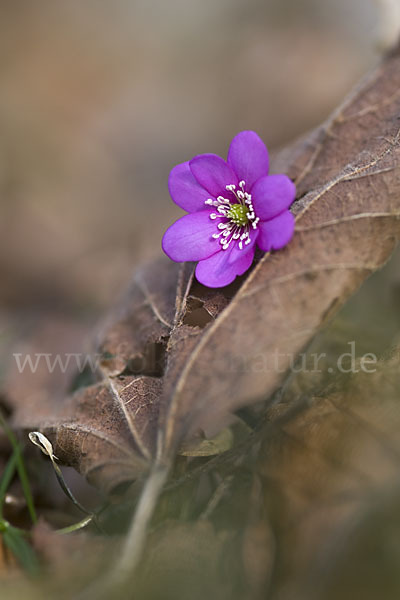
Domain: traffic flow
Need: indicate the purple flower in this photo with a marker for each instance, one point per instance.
(233, 206)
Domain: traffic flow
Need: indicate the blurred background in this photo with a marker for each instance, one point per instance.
(100, 99)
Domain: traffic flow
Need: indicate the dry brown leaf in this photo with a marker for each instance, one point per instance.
(331, 488)
(212, 352)
(348, 223)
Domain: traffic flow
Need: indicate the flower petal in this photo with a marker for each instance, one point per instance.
(213, 173)
(276, 233)
(224, 266)
(248, 157)
(271, 195)
(184, 189)
(190, 237)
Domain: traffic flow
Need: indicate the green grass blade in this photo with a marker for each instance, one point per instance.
(76, 526)
(23, 552)
(6, 479)
(20, 468)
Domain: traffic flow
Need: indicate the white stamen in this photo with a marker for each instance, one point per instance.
(231, 229)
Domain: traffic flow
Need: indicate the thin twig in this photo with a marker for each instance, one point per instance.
(132, 550)
(134, 542)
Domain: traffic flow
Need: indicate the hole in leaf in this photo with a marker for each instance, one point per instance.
(151, 362)
(82, 379)
(196, 315)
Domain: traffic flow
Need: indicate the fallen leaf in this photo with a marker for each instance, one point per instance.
(348, 224)
(208, 447)
(178, 359)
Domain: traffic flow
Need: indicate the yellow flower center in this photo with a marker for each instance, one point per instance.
(238, 214)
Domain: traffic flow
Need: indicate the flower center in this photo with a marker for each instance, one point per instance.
(237, 216)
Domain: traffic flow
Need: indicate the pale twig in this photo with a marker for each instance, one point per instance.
(132, 551)
(134, 542)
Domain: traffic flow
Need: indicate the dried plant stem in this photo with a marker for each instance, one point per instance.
(132, 550)
(216, 498)
(40, 440)
(135, 539)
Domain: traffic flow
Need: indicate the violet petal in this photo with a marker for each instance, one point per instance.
(271, 195)
(184, 189)
(276, 233)
(190, 237)
(248, 157)
(213, 173)
(223, 267)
